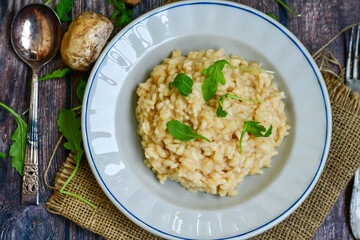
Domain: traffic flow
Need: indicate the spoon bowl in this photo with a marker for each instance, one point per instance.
(35, 36)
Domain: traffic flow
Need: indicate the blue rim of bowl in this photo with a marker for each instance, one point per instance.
(238, 6)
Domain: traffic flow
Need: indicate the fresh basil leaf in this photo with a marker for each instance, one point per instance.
(80, 90)
(18, 148)
(220, 112)
(255, 129)
(59, 73)
(287, 8)
(272, 15)
(182, 82)
(70, 127)
(2, 155)
(63, 8)
(182, 132)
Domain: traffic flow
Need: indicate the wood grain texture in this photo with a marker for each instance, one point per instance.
(320, 21)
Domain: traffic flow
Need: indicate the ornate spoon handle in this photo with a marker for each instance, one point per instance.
(30, 186)
(355, 206)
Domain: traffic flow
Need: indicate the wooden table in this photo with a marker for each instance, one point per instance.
(320, 21)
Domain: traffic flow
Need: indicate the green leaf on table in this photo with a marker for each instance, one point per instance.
(2, 155)
(214, 77)
(182, 132)
(18, 147)
(255, 129)
(183, 83)
(120, 13)
(287, 8)
(80, 90)
(59, 73)
(63, 8)
(70, 127)
(47, 2)
(272, 15)
(220, 111)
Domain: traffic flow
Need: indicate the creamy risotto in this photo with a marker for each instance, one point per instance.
(215, 167)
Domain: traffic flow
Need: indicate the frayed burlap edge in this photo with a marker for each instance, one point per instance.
(55, 202)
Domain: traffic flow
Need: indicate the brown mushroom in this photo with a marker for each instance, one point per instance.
(84, 40)
(132, 2)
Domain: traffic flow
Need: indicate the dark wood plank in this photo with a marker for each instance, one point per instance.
(320, 21)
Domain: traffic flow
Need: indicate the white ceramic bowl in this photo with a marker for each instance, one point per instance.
(114, 150)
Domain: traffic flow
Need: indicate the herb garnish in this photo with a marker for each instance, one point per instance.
(80, 90)
(2, 155)
(215, 76)
(182, 82)
(59, 73)
(255, 129)
(17, 149)
(272, 15)
(70, 127)
(182, 132)
(63, 8)
(287, 8)
(47, 2)
(220, 112)
(120, 10)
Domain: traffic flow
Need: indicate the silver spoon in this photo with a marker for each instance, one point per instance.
(35, 36)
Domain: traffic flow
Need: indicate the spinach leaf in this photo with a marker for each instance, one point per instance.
(182, 132)
(182, 82)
